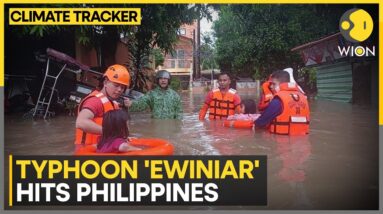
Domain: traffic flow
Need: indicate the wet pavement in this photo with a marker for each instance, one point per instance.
(334, 167)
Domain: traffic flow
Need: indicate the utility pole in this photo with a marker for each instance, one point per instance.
(194, 55)
(198, 59)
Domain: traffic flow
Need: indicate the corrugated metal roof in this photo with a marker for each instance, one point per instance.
(334, 82)
(312, 43)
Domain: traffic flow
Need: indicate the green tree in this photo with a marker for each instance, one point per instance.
(254, 40)
(207, 52)
(158, 28)
(158, 57)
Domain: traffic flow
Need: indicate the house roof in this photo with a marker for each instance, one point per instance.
(312, 43)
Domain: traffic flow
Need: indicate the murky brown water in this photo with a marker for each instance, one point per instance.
(334, 167)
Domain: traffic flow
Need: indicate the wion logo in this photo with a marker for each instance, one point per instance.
(356, 26)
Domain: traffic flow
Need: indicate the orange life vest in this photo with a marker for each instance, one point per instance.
(295, 116)
(90, 138)
(266, 96)
(221, 107)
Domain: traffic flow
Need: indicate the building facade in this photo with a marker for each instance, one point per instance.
(180, 62)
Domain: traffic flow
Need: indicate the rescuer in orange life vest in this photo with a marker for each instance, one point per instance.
(288, 112)
(266, 95)
(93, 107)
(221, 102)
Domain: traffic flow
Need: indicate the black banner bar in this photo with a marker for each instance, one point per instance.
(137, 180)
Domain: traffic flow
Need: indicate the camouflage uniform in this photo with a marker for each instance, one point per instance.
(164, 104)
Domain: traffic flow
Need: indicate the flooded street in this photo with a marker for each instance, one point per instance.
(334, 167)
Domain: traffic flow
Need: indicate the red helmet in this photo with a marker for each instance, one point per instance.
(118, 74)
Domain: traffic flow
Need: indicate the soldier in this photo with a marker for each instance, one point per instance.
(163, 101)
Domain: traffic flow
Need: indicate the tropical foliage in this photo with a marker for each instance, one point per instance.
(254, 40)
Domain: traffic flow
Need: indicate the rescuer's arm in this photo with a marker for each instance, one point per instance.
(141, 104)
(85, 122)
(203, 111)
(205, 106)
(271, 112)
(237, 103)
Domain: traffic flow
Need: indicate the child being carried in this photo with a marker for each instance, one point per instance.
(115, 132)
(248, 111)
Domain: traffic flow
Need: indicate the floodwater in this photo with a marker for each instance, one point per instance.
(334, 167)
